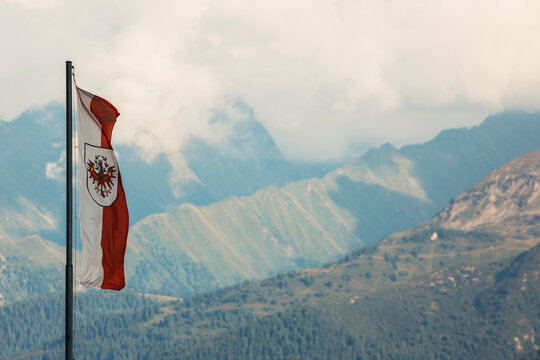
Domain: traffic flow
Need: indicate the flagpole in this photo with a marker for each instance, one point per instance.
(69, 214)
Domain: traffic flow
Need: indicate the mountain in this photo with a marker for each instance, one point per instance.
(439, 290)
(29, 266)
(30, 198)
(461, 312)
(288, 225)
(310, 222)
(32, 186)
(32, 154)
(502, 202)
(245, 160)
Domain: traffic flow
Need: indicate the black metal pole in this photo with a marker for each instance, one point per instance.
(69, 215)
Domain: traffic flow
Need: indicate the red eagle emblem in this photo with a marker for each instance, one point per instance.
(102, 175)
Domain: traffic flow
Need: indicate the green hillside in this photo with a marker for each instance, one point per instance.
(28, 267)
(40, 319)
(461, 312)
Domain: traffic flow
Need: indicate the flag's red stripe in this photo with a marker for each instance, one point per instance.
(115, 217)
(106, 114)
(113, 241)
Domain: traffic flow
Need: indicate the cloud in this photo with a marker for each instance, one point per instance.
(323, 77)
(56, 170)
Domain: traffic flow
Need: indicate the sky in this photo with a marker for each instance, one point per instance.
(326, 78)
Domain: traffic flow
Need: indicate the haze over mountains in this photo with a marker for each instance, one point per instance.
(455, 286)
(288, 225)
(310, 222)
(450, 288)
(32, 148)
(32, 193)
(455, 274)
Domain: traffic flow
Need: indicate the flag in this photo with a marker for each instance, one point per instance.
(103, 211)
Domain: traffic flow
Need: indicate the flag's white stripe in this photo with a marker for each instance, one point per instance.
(91, 216)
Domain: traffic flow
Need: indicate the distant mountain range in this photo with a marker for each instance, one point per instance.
(464, 284)
(32, 186)
(291, 224)
(32, 154)
(310, 222)
(203, 172)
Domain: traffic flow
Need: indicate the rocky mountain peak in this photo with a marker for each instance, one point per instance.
(508, 195)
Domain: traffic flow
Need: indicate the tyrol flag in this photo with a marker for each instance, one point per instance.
(103, 212)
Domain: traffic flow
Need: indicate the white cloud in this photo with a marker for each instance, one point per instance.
(321, 76)
(56, 170)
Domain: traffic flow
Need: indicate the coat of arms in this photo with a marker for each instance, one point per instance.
(102, 171)
(102, 175)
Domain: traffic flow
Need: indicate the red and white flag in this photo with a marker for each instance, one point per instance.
(103, 209)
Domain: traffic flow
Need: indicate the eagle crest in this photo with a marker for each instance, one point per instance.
(102, 175)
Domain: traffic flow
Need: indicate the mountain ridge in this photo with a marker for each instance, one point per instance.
(297, 225)
(310, 222)
(471, 285)
(427, 291)
(32, 190)
(197, 173)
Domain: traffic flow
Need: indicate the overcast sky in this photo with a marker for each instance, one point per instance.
(326, 78)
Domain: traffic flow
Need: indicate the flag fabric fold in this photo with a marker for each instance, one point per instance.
(103, 212)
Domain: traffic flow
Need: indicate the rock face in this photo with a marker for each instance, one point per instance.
(504, 201)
